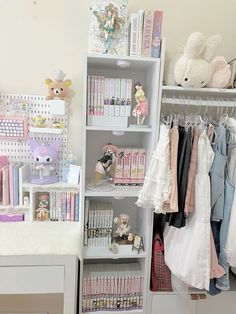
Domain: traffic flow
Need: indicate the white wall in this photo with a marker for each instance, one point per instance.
(40, 36)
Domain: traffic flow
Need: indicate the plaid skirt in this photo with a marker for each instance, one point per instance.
(160, 273)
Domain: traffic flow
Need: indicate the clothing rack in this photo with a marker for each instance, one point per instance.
(198, 101)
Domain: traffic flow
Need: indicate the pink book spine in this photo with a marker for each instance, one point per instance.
(92, 96)
(89, 95)
(156, 33)
(127, 166)
(134, 165)
(5, 186)
(102, 95)
(119, 166)
(72, 206)
(11, 183)
(98, 96)
(147, 34)
(141, 165)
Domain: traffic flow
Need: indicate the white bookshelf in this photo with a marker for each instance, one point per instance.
(123, 198)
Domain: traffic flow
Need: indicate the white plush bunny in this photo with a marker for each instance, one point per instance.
(194, 68)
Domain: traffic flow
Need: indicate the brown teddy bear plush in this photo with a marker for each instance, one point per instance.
(58, 88)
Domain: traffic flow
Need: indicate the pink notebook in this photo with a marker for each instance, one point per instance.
(5, 186)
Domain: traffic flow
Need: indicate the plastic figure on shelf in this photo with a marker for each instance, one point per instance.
(123, 229)
(42, 212)
(58, 88)
(109, 25)
(105, 168)
(140, 111)
(44, 155)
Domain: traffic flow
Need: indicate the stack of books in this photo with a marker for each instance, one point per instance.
(109, 96)
(145, 33)
(61, 206)
(10, 178)
(112, 287)
(130, 166)
(98, 223)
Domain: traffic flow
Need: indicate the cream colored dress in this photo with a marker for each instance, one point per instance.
(188, 250)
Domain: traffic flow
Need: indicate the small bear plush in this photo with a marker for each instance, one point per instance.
(58, 88)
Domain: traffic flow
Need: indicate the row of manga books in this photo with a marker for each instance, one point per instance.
(112, 287)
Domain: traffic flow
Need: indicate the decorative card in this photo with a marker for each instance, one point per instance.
(108, 31)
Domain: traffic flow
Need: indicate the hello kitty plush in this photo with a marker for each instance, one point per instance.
(44, 155)
(194, 68)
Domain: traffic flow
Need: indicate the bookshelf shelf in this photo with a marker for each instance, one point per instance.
(204, 90)
(45, 130)
(118, 191)
(129, 129)
(55, 186)
(124, 251)
(121, 312)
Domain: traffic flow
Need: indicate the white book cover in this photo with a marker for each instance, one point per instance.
(128, 97)
(134, 19)
(140, 31)
(108, 29)
(106, 96)
(112, 97)
(117, 97)
(123, 84)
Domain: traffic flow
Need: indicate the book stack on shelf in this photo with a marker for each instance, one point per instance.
(98, 223)
(130, 166)
(57, 206)
(109, 97)
(145, 33)
(112, 287)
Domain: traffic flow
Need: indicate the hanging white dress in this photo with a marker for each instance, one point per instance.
(187, 250)
(157, 184)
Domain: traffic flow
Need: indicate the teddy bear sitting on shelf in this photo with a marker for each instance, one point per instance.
(123, 229)
(58, 88)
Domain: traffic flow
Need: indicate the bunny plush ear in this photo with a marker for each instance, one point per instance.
(210, 46)
(194, 45)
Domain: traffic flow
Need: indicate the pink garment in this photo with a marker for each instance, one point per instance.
(216, 270)
(192, 171)
(141, 109)
(172, 205)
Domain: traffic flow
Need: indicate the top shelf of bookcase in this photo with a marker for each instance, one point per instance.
(108, 61)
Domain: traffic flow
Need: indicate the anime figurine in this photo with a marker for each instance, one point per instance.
(109, 25)
(44, 155)
(140, 111)
(123, 228)
(42, 212)
(106, 164)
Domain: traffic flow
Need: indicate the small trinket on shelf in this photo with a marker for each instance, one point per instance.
(39, 121)
(140, 111)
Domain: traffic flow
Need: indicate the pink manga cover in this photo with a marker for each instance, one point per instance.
(156, 33)
(11, 183)
(5, 186)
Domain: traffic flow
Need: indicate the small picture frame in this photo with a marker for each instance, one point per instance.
(138, 243)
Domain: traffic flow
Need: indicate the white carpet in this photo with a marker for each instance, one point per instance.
(35, 238)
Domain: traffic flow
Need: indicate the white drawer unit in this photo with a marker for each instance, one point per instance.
(40, 275)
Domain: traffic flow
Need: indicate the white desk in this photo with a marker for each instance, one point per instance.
(41, 274)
